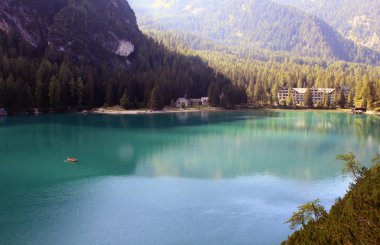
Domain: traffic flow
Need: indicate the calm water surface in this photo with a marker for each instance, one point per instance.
(197, 178)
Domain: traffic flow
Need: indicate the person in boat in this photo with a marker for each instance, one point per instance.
(72, 159)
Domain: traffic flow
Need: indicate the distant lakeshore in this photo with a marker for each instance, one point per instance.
(117, 110)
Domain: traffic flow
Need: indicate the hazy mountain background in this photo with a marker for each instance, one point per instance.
(356, 20)
(262, 25)
(263, 45)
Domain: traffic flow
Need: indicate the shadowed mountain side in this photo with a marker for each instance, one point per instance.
(83, 54)
(89, 30)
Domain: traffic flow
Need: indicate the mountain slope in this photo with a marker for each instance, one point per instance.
(106, 28)
(356, 20)
(262, 24)
(73, 54)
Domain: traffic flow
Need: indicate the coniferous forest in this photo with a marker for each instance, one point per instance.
(50, 80)
(262, 77)
(75, 55)
(52, 77)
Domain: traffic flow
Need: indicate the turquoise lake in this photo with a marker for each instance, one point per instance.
(187, 178)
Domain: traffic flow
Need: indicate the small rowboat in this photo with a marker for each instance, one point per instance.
(71, 160)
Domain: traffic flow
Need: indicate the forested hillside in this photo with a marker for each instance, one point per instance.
(59, 58)
(356, 20)
(259, 24)
(70, 55)
(262, 79)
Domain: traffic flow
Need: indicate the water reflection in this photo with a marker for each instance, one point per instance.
(193, 145)
(118, 192)
(2, 120)
(293, 146)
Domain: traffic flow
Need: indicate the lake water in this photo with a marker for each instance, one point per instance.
(196, 178)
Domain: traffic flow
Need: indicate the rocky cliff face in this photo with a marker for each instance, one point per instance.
(95, 29)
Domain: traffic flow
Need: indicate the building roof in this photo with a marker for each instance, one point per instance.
(327, 90)
(3, 112)
(300, 90)
(182, 98)
(323, 90)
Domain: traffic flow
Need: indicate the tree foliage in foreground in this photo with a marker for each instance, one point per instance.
(354, 219)
(306, 213)
(351, 166)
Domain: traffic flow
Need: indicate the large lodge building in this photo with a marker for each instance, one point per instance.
(298, 94)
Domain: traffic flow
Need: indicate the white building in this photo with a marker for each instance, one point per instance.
(195, 102)
(3, 112)
(204, 101)
(182, 102)
(298, 94)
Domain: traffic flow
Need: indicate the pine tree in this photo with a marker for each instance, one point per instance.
(336, 99)
(289, 99)
(250, 90)
(308, 98)
(125, 101)
(258, 93)
(351, 166)
(342, 102)
(326, 100)
(80, 92)
(38, 93)
(54, 93)
(44, 71)
(350, 101)
(156, 101)
(3, 92)
(11, 93)
(73, 92)
(311, 211)
(109, 94)
(64, 77)
(214, 94)
(89, 91)
(226, 99)
(369, 94)
(299, 83)
(27, 98)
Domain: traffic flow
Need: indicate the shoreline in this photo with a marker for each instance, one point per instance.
(168, 110)
(116, 110)
(119, 111)
(372, 113)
